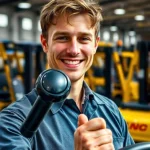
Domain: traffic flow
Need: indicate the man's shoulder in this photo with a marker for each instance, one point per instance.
(108, 107)
(31, 96)
(21, 106)
(103, 100)
(27, 99)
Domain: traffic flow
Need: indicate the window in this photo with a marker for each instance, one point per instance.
(3, 20)
(26, 24)
(39, 26)
(115, 37)
(106, 36)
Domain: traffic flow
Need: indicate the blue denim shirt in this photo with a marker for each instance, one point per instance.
(56, 131)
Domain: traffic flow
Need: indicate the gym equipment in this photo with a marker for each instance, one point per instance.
(52, 86)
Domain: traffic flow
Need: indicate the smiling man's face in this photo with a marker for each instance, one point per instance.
(71, 46)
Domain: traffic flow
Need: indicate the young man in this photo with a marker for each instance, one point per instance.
(86, 120)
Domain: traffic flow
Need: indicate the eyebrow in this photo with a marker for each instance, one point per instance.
(67, 33)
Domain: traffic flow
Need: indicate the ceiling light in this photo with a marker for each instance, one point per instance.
(139, 17)
(24, 5)
(119, 11)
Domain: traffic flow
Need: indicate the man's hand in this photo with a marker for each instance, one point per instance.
(92, 135)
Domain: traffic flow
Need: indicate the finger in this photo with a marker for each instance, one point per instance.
(108, 146)
(97, 142)
(82, 119)
(77, 141)
(95, 124)
(83, 136)
(103, 140)
(98, 133)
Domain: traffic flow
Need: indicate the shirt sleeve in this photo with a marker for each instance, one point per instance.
(128, 140)
(10, 136)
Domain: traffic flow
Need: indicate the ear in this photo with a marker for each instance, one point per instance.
(96, 43)
(44, 43)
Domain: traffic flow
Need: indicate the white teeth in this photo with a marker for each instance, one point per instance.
(72, 62)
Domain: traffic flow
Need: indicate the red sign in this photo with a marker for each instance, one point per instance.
(137, 126)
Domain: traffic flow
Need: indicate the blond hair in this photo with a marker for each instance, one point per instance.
(54, 8)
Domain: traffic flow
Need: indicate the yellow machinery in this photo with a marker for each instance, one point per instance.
(11, 60)
(8, 77)
(95, 77)
(136, 114)
(138, 123)
(90, 78)
(128, 88)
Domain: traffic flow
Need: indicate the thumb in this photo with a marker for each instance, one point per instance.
(82, 119)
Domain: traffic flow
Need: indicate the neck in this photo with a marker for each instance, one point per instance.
(76, 93)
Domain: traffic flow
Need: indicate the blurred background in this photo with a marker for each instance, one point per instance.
(127, 20)
(121, 67)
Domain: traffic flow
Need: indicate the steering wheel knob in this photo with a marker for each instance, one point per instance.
(53, 85)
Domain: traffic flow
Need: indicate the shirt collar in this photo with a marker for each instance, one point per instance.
(88, 92)
(88, 95)
(91, 95)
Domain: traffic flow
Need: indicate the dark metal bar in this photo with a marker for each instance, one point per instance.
(107, 71)
(142, 75)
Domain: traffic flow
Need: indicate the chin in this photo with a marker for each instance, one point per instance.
(75, 77)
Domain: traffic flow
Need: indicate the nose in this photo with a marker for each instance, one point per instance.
(73, 48)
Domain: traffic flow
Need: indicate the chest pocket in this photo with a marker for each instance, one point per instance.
(118, 142)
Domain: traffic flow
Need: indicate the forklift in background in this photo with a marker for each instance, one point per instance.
(7, 94)
(137, 114)
(21, 63)
(98, 77)
(132, 91)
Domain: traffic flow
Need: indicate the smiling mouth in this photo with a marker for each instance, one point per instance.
(72, 62)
